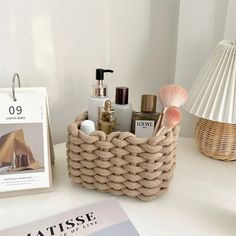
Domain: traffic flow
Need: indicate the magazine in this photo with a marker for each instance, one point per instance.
(105, 218)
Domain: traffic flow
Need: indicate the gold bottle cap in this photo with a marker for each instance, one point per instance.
(107, 105)
(149, 103)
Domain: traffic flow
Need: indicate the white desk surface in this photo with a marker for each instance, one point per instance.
(201, 200)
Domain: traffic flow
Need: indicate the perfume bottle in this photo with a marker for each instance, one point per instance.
(107, 121)
(143, 123)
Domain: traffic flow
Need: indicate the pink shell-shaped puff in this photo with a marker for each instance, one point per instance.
(172, 117)
(172, 95)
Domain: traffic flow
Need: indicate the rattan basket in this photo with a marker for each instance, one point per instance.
(121, 163)
(216, 140)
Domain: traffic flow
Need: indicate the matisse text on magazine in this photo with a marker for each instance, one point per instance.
(103, 218)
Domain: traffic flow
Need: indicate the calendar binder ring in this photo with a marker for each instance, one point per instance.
(16, 75)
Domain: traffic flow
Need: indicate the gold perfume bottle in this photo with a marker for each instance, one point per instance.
(143, 123)
(107, 120)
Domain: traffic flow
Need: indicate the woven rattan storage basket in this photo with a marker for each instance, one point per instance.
(121, 163)
(216, 140)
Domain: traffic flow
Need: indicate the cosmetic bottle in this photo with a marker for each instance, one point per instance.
(143, 123)
(107, 121)
(87, 126)
(123, 110)
(98, 95)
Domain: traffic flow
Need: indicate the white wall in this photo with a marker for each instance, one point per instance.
(230, 24)
(201, 26)
(59, 44)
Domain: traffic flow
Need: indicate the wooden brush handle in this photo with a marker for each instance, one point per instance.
(159, 122)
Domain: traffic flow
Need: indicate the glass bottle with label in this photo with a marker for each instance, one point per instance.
(143, 123)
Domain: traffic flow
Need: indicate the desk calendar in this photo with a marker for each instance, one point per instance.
(25, 164)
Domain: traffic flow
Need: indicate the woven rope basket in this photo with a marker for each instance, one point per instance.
(121, 163)
(216, 140)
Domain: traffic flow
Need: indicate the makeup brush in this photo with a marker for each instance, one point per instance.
(172, 117)
(170, 95)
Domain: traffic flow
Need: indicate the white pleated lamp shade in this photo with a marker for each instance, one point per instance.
(213, 94)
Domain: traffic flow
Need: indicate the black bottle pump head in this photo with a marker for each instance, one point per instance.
(100, 73)
(99, 89)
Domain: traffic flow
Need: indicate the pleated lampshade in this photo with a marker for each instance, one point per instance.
(212, 97)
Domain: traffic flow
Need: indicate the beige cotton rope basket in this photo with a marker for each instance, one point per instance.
(121, 163)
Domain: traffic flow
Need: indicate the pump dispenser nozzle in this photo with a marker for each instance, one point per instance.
(100, 90)
(100, 73)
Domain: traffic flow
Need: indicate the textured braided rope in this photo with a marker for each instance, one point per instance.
(216, 139)
(121, 163)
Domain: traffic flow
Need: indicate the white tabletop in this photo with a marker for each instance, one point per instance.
(201, 199)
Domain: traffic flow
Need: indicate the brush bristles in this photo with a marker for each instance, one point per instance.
(172, 95)
(172, 117)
